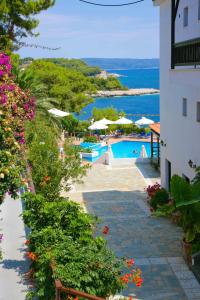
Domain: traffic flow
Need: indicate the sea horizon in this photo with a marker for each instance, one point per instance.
(132, 105)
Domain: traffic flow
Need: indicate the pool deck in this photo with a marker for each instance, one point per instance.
(131, 139)
(114, 140)
(116, 195)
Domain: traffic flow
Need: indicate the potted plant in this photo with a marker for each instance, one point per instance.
(187, 201)
(157, 196)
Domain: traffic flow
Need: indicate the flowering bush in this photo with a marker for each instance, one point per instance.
(152, 189)
(16, 106)
(157, 196)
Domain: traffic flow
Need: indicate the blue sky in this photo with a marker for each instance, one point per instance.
(90, 31)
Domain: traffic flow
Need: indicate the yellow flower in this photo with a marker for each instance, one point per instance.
(2, 175)
(8, 153)
(6, 171)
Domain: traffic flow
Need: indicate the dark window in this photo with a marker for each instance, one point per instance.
(199, 10)
(168, 174)
(185, 17)
(198, 111)
(184, 107)
(186, 178)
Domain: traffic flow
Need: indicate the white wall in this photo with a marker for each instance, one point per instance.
(182, 134)
(192, 31)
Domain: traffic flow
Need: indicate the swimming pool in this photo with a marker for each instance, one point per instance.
(130, 149)
(95, 147)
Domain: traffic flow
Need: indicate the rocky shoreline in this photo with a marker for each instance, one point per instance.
(130, 92)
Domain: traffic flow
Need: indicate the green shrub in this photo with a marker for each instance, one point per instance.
(90, 139)
(50, 174)
(161, 197)
(60, 214)
(63, 234)
(84, 150)
(110, 113)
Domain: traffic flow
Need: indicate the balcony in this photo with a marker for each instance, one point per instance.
(186, 53)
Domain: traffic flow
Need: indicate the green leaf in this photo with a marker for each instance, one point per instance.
(190, 235)
(181, 191)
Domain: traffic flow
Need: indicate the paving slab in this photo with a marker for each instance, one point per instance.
(14, 265)
(117, 196)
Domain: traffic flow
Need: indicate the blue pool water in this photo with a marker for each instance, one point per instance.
(125, 149)
(96, 147)
(93, 146)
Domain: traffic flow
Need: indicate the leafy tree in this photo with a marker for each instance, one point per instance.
(17, 20)
(51, 174)
(111, 83)
(71, 88)
(70, 124)
(109, 112)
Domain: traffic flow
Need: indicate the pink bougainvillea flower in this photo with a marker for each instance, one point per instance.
(105, 230)
(14, 106)
(31, 115)
(3, 99)
(31, 189)
(22, 141)
(26, 107)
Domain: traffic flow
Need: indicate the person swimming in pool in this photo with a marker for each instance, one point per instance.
(135, 151)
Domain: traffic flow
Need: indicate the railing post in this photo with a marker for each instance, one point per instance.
(58, 286)
(57, 294)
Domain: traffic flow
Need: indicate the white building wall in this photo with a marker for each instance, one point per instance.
(192, 31)
(181, 134)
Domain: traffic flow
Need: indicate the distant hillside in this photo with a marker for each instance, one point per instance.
(75, 64)
(122, 63)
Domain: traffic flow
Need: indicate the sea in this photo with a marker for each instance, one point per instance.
(131, 105)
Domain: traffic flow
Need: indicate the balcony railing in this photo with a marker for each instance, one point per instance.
(61, 291)
(187, 53)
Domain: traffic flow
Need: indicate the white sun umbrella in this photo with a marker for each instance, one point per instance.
(144, 122)
(123, 121)
(143, 152)
(106, 121)
(97, 126)
(58, 113)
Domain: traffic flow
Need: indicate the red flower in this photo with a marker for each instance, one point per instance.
(32, 256)
(105, 230)
(138, 281)
(46, 178)
(130, 262)
(76, 298)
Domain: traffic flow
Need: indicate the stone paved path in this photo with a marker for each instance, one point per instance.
(117, 196)
(14, 265)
